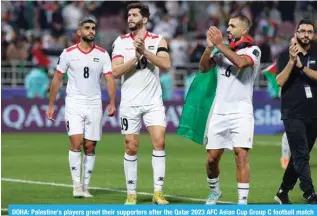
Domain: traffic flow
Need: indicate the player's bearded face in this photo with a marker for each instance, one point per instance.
(235, 30)
(88, 39)
(88, 33)
(135, 19)
(305, 35)
(234, 34)
(135, 25)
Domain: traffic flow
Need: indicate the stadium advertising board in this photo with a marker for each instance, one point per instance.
(29, 116)
(25, 115)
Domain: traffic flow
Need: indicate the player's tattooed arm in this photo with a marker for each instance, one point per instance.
(161, 59)
(55, 85)
(240, 61)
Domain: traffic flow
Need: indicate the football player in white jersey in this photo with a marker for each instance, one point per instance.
(232, 123)
(85, 63)
(137, 59)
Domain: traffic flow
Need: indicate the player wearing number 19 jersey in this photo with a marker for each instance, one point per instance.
(85, 63)
(137, 58)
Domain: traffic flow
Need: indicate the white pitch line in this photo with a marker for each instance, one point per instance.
(267, 143)
(104, 189)
(263, 143)
(4, 209)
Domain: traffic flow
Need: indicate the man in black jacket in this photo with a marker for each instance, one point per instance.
(297, 75)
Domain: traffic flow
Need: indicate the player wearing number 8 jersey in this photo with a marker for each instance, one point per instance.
(137, 59)
(231, 123)
(85, 63)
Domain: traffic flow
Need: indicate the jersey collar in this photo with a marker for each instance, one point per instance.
(85, 52)
(145, 36)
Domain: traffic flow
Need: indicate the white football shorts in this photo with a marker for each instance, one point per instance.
(229, 131)
(84, 120)
(131, 117)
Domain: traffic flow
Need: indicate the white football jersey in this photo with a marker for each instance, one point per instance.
(140, 86)
(235, 86)
(84, 70)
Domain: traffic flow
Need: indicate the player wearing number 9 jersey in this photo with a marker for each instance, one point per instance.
(137, 59)
(85, 63)
(231, 123)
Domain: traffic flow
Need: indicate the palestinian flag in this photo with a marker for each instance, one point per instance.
(272, 87)
(197, 109)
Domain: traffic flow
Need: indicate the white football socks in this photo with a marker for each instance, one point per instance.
(88, 167)
(243, 193)
(214, 185)
(74, 165)
(158, 165)
(130, 170)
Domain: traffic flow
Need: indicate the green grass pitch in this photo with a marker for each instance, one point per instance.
(43, 159)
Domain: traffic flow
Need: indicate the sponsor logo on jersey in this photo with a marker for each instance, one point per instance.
(96, 59)
(75, 59)
(151, 47)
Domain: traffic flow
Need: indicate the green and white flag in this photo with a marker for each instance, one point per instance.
(198, 106)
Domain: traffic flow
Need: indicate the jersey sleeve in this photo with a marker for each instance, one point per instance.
(117, 50)
(62, 63)
(254, 54)
(106, 68)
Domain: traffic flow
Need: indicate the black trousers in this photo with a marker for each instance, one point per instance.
(301, 135)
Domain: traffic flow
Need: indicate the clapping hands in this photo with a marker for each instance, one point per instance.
(139, 47)
(214, 36)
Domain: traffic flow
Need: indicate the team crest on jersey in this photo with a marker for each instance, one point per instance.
(151, 47)
(96, 59)
(256, 53)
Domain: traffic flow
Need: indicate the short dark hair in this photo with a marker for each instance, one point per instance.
(242, 18)
(306, 22)
(144, 9)
(87, 20)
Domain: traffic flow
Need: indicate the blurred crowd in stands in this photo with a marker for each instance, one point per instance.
(38, 31)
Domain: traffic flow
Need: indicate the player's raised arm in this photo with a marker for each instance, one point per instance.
(119, 66)
(62, 65)
(206, 61)
(161, 59)
(239, 61)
